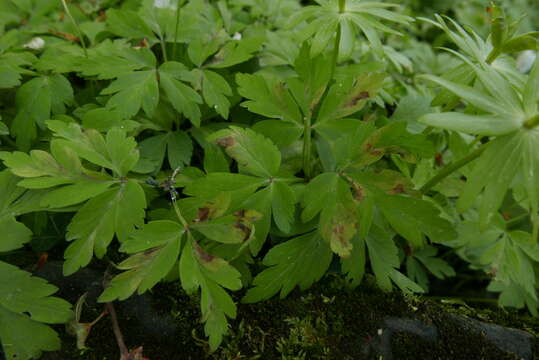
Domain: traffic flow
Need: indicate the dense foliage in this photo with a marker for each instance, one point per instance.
(245, 144)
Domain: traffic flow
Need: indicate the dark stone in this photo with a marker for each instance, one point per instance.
(512, 341)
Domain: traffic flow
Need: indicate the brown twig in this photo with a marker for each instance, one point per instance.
(117, 332)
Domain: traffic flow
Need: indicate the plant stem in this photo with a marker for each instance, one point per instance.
(449, 169)
(177, 27)
(532, 122)
(307, 120)
(307, 143)
(494, 53)
(516, 222)
(79, 32)
(116, 329)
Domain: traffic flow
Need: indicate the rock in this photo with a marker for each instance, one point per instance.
(513, 343)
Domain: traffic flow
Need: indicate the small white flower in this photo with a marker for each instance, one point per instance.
(36, 43)
(236, 36)
(380, 331)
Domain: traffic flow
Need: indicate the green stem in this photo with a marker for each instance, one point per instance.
(163, 47)
(307, 120)
(79, 32)
(516, 222)
(532, 122)
(307, 143)
(176, 30)
(449, 169)
(494, 53)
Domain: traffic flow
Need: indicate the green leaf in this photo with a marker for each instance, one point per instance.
(471, 124)
(493, 173)
(199, 269)
(157, 247)
(412, 217)
(235, 52)
(128, 24)
(283, 205)
(297, 262)
(35, 100)
(25, 304)
(268, 97)
(354, 265)
(254, 153)
(183, 98)
(14, 234)
(383, 256)
(215, 90)
(116, 151)
(74, 193)
(116, 211)
(133, 91)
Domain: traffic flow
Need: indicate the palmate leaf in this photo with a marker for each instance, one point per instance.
(268, 97)
(183, 98)
(116, 211)
(410, 217)
(133, 91)
(176, 145)
(200, 269)
(509, 256)
(156, 247)
(511, 153)
(35, 101)
(276, 200)
(364, 16)
(115, 151)
(297, 262)
(25, 308)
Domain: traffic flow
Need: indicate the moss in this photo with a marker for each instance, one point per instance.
(325, 322)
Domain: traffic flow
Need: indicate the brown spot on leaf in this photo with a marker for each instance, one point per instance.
(202, 254)
(439, 159)
(358, 192)
(244, 229)
(506, 216)
(362, 95)
(203, 214)
(226, 142)
(397, 189)
(240, 213)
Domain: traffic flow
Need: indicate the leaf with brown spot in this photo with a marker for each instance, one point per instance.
(349, 96)
(254, 153)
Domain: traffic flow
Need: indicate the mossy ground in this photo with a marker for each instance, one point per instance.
(325, 322)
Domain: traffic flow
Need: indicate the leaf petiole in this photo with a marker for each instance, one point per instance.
(449, 169)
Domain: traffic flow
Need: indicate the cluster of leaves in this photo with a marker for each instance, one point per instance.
(287, 157)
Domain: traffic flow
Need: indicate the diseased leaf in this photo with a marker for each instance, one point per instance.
(254, 153)
(199, 269)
